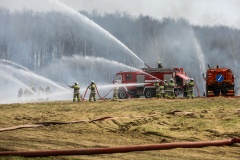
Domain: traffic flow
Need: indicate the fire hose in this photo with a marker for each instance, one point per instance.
(97, 93)
(122, 149)
(124, 90)
(85, 93)
(107, 93)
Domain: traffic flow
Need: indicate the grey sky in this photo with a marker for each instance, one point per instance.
(199, 12)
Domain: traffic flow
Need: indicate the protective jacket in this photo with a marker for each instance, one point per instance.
(76, 88)
(171, 86)
(191, 85)
(92, 87)
(156, 86)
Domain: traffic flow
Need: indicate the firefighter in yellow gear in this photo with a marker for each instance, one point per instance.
(76, 93)
(161, 87)
(190, 88)
(115, 91)
(165, 84)
(156, 84)
(92, 87)
(171, 86)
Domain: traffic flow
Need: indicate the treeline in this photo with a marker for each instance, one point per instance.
(145, 35)
(37, 39)
(176, 43)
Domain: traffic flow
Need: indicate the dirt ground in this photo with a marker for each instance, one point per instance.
(103, 124)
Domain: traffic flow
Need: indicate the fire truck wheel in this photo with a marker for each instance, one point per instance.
(122, 94)
(148, 93)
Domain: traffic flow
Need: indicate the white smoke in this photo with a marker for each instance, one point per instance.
(197, 12)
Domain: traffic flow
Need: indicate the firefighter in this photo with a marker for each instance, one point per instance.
(171, 86)
(76, 93)
(115, 91)
(92, 87)
(190, 87)
(20, 93)
(165, 84)
(185, 90)
(160, 65)
(161, 87)
(47, 92)
(156, 84)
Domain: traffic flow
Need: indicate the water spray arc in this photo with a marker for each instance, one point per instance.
(24, 79)
(93, 24)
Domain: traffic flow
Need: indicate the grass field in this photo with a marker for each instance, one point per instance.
(134, 122)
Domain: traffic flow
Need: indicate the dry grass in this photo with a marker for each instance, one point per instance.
(137, 121)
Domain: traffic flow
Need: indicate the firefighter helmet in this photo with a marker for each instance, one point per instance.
(92, 81)
(191, 79)
(76, 82)
(171, 79)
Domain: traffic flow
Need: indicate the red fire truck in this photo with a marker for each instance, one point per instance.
(146, 78)
(219, 81)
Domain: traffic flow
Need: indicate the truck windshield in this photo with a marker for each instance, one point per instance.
(118, 77)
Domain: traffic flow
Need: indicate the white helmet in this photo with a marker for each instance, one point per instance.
(191, 79)
(171, 79)
(76, 82)
(92, 81)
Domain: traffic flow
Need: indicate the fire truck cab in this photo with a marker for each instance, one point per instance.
(139, 83)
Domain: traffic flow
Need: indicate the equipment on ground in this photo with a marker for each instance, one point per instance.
(146, 78)
(219, 82)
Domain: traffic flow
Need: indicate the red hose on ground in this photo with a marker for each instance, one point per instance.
(90, 151)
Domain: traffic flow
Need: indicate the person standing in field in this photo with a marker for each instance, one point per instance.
(165, 84)
(161, 87)
(76, 92)
(171, 86)
(115, 91)
(48, 92)
(20, 93)
(190, 88)
(156, 84)
(92, 87)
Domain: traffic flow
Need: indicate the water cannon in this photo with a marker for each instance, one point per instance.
(209, 66)
(147, 65)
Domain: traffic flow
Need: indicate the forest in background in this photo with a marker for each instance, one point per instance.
(145, 35)
(36, 40)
